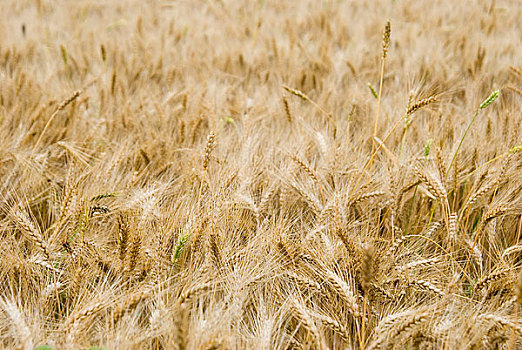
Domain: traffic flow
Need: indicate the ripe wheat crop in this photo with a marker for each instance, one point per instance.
(260, 174)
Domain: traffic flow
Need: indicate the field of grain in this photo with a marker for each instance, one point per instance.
(260, 174)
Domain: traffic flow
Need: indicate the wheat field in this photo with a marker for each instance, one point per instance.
(260, 174)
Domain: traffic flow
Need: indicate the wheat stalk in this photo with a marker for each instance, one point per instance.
(385, 46)
(60, 107)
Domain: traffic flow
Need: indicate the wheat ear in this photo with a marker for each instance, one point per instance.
(60, 107)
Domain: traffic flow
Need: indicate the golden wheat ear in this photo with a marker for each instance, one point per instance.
(208, 149)
(32, 232)
(60, 107)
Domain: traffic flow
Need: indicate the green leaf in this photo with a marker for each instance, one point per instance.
(103, 195)
(374, 93)
(427, 147)
(228, 119)
(43, 347)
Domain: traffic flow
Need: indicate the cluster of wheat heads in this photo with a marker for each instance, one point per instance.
(217, 175)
